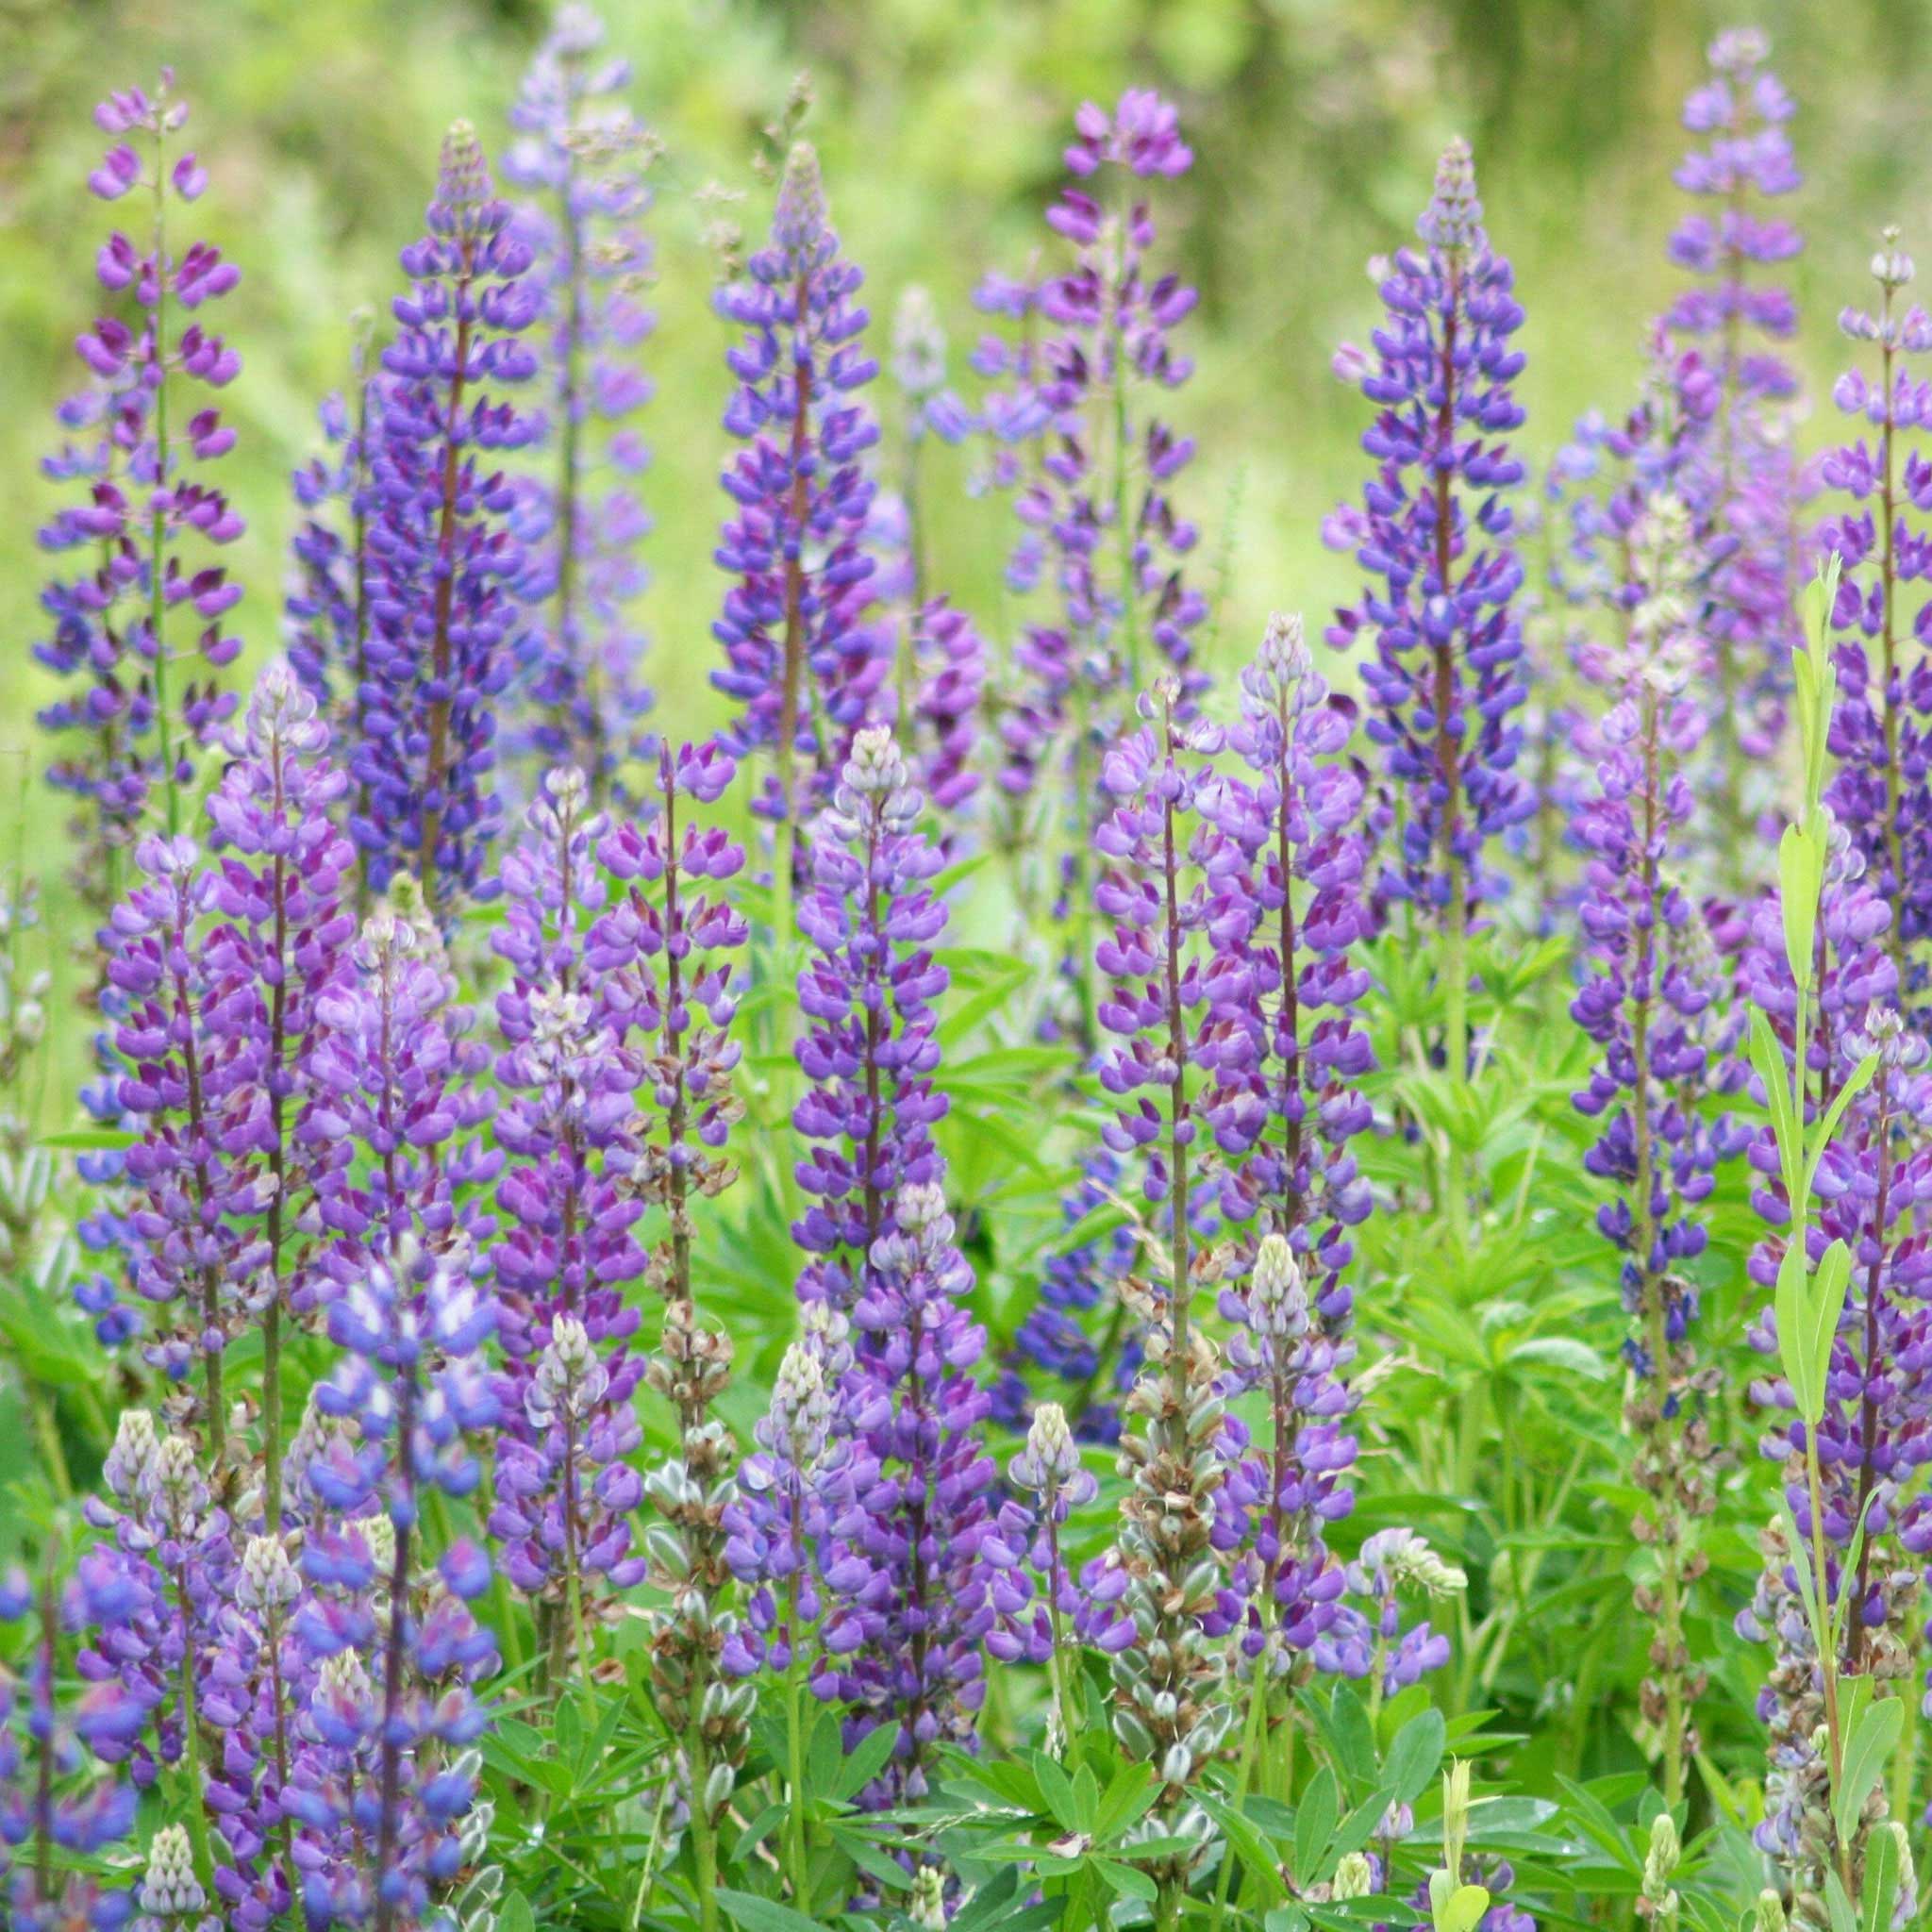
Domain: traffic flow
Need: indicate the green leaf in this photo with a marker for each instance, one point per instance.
(1828, 1305)
(1838, 1902)
(514, 1914)
(1414, 1756)
(1799, 872)
(90, 1140)
(762, 1914)
(984, 1906)
(1856, 1083)
(1791, 1300)
(1314, 1825)
(1253, 1851)
(1880, 1891)
(1868, 1750)
(1125, 1801)
(1126, 1880)
(1561, 1352)
(1057, 1788)
(1462, 1910)
(856, 1771)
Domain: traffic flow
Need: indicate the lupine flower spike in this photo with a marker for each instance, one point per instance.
(1434, 533)
(442, 639)
(804, 655)
(1648, 992)
(140, 430)
(582, 158)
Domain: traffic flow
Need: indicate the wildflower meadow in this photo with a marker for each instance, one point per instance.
(1026, 1258)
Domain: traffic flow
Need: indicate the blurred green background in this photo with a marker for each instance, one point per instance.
(1315, 123)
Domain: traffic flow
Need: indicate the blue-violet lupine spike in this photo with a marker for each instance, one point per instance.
(1107, 534)
(804, 655)
(1741, 477)
(326, 610)
(663, 956)
(1879, 738)
(395, 1079)
(1434, 536)
(193, 1072)
(444, 619)
(870, 1047)
(145, 499)
(581, 158)
(412, 1389)
(57, 1802)
(922, 1572)
(284, 940)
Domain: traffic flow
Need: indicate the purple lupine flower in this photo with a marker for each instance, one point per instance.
(1741, 477)
(582, 158)
(1649, 996)
(1879, 790)
(1289, 1113)
(193, 1074)
(804, 656)
(1434, 535)
(441, 641)
(383, 1795)
(1282, 1498)
(1049, 1468)
(693, 1637)
(1176, 1003)
(1638, 1000)
(145, 499)
(254, 1677)
(569, 1078)
(660, 954)
(1796, 1831)
(869, 1049)
(151, 1596)
(565, 1488)
(395, 1077)
(1104, 528)
(57, 1800)
(920, 1569)
(1740, 115)
(1367, 1639)
(326, 610)
(1876, 1433)
(777, 1523)
(663, 954)
(282, 946)
(1175, 996)
(171, 1897)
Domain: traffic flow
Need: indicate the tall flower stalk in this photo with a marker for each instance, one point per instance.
(148, 430)
(1643, 999)
(284, 943)
(444, 623)
(1435, 533)
(1741, 476)
(1077, 434)
(869, 1049)
(1173, 1005)
(1878, 737)
(1818, 985)
(582, 158)
(664, 950)
(804, 656)
(564, 1484)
